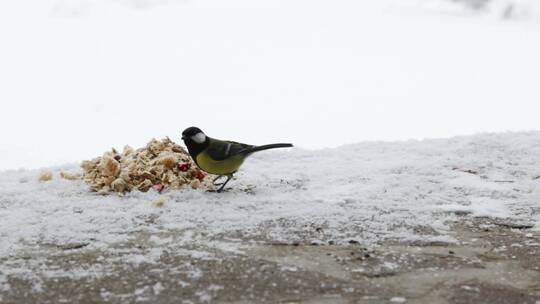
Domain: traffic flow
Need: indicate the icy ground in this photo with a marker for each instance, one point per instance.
(365, 192)
(372, 194)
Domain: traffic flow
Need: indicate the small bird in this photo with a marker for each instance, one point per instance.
(220, 157)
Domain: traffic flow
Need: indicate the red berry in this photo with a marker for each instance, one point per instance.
(199, 175)
(158, 187)
(184, 166)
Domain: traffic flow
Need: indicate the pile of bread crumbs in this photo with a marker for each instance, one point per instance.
(161, 164)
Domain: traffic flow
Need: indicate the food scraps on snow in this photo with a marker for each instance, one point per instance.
(69, 175)
(159, 202)
(45, 176)
(161, 164)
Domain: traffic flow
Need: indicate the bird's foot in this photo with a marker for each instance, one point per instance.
(228, 178)
(221, 185)
(218, 190)
(217, 178)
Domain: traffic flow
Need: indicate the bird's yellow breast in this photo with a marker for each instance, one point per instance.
(219, 167)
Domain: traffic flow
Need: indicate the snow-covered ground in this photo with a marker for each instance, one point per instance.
(366, 192)
(78, 76)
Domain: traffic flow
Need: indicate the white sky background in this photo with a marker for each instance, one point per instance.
(78, 77)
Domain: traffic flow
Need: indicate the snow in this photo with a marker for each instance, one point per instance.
(368, 192)
(398, 300)
(481, 207)
(80, 76)
(515, 10)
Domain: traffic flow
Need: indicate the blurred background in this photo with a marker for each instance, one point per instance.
(78, 77)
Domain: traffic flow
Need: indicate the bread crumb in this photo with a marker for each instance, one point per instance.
(45, 176)
(195, 184)
(70, 175)
(109, 166)
(159, 202)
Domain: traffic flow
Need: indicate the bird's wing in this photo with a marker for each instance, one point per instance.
(221, 150)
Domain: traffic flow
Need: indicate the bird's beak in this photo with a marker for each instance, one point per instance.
(183, 137)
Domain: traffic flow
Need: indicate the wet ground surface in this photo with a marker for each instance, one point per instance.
(493, 262)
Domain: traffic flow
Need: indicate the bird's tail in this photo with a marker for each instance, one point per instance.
(271, 146)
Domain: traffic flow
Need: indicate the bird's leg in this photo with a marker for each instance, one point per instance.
(229, 177)
(215, 179)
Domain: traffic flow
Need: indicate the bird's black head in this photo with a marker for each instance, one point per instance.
(191, 131)
(195, 140)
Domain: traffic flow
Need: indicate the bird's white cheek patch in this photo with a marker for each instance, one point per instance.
(199, 138)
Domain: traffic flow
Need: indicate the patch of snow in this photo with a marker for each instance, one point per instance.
(528, 10)
(390, 265)
(367, 192)
(183, 284)
(469, 288)
(514, 9)
(489, 208)
(158, 288)
(136, 259)
(288, 268)
(207, 295)
(480, 207)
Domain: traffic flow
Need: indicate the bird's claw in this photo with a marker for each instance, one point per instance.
(223, 184)
(218, 190)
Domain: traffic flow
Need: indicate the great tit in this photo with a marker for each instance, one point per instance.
(220, 157)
